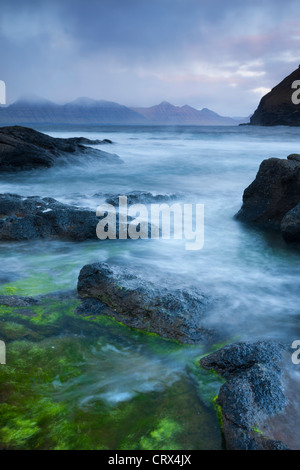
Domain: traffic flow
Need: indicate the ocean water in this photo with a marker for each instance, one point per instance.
(253, 276)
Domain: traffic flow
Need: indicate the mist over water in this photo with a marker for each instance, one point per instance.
(253, 276)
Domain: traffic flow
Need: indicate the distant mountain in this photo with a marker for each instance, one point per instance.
(80, 111)
(276, 108)
(166, 113)
(35, 110)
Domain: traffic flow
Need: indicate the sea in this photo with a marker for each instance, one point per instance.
(252, 276)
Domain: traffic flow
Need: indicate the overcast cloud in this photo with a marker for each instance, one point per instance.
(223, 55)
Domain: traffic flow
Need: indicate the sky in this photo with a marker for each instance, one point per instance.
(220, 54)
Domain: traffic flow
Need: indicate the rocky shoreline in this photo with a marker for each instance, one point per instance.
(253, 393)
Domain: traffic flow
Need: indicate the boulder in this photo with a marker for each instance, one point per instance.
(130, 299)
(252, 395)
(272, 198)
(34, 217)
(22, 148)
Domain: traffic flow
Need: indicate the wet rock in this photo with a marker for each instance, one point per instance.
(294, 156)
(272, 195)
(237, 357)
(252, 395)
(17, 301)
(34, 217)
(142, 197)
(85, 141)
(176, 314)
(22, 148)
(290, 225)
(94, 307)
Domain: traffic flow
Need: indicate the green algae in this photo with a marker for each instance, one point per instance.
(208, 382)
(30, 286)
(257, 430)
(39, 283)
(150, 339)
(35, 412)
(11, 331)
(51, 316)
(8, 289)
(44, 319)
(162, 437)
(218, 410)
(50, 357)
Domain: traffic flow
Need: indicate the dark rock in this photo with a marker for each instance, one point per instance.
(252, 395)
(239, 357)
(176, 314)
(273, 195)
(85, 141)
(294, 156)
(276, 107)
(290, 225)
(141, 197)
(94, 307)
(22, 148)
(17, 301)
(34, 218)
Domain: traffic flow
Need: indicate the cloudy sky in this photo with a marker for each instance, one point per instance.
(220, 54)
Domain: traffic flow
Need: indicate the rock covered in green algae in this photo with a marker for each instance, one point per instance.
(252, 394)
(39, 318)
(119, 292)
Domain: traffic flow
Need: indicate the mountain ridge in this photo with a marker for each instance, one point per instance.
(84, 110)
(166, 113)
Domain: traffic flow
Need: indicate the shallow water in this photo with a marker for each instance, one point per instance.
(253, 276)
(74, 383)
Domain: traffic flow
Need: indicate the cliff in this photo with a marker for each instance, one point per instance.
(276, 108)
